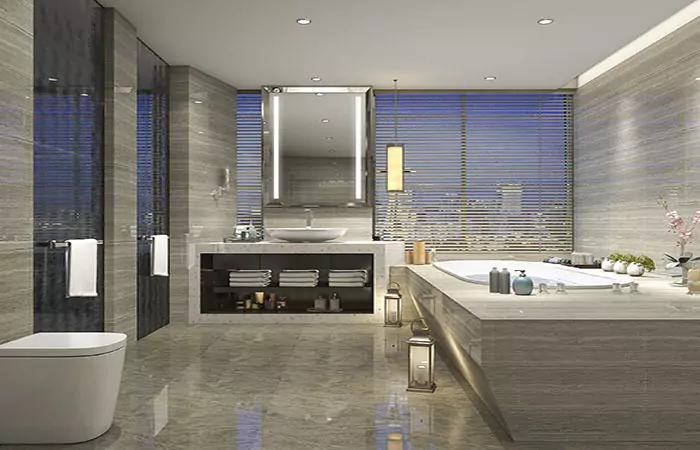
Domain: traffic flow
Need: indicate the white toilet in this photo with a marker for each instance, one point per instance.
(59, 388)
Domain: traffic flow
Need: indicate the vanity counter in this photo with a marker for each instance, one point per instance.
(223, 257)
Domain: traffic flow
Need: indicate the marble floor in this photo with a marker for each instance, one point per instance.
(295, 387)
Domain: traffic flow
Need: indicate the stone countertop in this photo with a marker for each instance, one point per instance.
(657, 300)
(291, 247)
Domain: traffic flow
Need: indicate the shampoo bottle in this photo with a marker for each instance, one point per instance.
(493, 281)
(504, 281)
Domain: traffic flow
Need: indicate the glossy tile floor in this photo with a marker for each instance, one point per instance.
(293, 387)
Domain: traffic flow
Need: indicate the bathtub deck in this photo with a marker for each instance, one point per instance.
(585, 366)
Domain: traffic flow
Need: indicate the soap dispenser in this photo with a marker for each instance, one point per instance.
(523, 285)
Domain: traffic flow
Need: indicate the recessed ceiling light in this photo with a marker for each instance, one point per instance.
(490, 78)
(84, 94)
(199, 102)
(201, 132)
(316, 79)
(52, 79)
(325, 120)
(329, 138)
(303, 21)
(319, 94)
(545, 21)
(697, 79)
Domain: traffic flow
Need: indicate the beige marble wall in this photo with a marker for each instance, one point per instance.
(121, 62)
(16, 168)
(637, 134)
(202, 144)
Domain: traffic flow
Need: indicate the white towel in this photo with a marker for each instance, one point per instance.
(81, 268)
(160, 259)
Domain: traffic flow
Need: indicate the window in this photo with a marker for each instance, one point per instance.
(488, 172)
(249, 159)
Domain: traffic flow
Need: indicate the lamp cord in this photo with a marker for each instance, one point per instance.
(396, 111)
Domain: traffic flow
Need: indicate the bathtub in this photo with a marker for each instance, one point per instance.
(477, 271)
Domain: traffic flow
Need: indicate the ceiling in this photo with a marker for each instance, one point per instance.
(448, 44)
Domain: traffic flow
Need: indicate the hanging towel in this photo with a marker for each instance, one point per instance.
(160, 255)
(81, 267)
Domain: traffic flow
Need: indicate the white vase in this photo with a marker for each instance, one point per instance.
(607, 265)
(620, 267)
(635, 270)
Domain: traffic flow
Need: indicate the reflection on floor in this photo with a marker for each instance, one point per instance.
(309, 387)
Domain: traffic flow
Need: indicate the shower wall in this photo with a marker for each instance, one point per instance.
(16, 167)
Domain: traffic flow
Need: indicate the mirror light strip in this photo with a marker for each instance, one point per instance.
(276, 147)
(358, 147)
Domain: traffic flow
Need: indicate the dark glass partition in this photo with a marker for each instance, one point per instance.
(153, 156)
(68, 147)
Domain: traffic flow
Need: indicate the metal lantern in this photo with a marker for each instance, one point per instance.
(392, 306)
(421, 359)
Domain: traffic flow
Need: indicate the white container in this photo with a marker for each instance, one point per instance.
(635, 270)
(620, 267)
(59, 388)
(607, 265)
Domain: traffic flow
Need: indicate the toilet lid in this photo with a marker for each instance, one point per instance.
(63, 345)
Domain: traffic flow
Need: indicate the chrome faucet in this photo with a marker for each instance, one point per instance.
(309, 217)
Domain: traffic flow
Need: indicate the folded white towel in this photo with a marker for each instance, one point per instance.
(299, 271)
(354, 271)
(81, 268)
(160, 255)
(353, 284)
(237, 276)
(289, 284)
(298, 275)
(251, 285)
(250, 271)
(347, 277)
(249, 280)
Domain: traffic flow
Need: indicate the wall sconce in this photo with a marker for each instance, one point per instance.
(392, 306)
(421, 359)
(224, 183)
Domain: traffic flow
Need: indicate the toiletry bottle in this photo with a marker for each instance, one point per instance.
(493, 281)
(523, 285)
(504, 281)
(335, 302)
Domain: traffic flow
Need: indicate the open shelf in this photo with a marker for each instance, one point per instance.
(217, 297)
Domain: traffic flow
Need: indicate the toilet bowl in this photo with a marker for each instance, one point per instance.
(59, 388)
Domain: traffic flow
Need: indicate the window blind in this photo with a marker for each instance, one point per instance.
(488, 172)
(249, 159)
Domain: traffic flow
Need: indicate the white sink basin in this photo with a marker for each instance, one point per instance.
(306, 234)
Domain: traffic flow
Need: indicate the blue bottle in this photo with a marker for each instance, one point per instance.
(523, 284)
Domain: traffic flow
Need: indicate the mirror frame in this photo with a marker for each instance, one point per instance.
(268, 157)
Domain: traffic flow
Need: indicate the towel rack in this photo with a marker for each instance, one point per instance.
(56, 244)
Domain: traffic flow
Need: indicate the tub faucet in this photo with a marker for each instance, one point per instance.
(309, 217)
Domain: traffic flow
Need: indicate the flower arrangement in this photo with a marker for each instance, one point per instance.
(684, 234)
(676, 224)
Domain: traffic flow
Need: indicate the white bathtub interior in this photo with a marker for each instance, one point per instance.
(477, 271)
